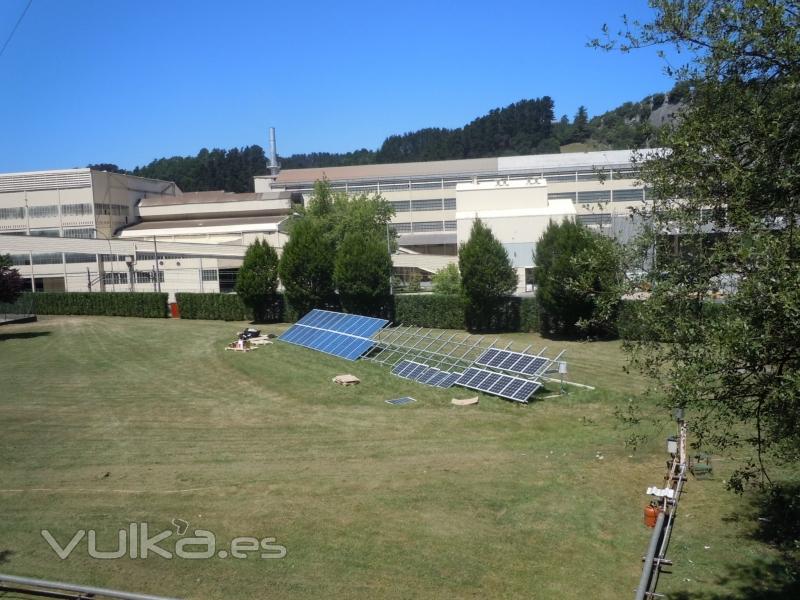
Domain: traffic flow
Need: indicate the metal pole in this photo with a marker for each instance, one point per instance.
(644, 581)
(158, 273)
(83, 590)
(391, 267)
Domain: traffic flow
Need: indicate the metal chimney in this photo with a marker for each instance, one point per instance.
(274, 167)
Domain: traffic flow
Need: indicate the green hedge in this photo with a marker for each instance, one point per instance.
(438, 311)
(228, 307)
(449, 312)
(117, 304)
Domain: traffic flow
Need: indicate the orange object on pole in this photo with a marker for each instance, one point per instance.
(651, 515)
(174, 310)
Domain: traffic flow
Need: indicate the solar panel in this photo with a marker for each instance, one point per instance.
(340, 334)
(448, 380)
(401, 401)
(516, 362)
(498, 384)
(408, 369)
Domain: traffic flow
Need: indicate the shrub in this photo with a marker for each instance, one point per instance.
(438, 311)
(229, 307)
(118, 304)
(257, 281)
(487, 276)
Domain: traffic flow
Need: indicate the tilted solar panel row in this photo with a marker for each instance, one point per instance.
(516, 362)
(343, 335)
(422, 373)
(498, 384)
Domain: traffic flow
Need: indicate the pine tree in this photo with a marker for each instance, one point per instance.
(486, 274)
(306, 266)
(362, 272)
(257, 281)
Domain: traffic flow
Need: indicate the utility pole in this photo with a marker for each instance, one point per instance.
(158, 273)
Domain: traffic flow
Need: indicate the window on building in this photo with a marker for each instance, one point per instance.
(401, 227)
(595, 219)
(115, 278)
(42, 212)
(594, 196)
(562, 196)
(10, 214)
(427, 226)
(79, 232)
(20, 260)
(76, 210)
(421, 205)
(426, 185)
(449, 225)
(449, 204)
(593, 175)
(632, 195)
(559, 177)
(78, 257)
(149, 276)
(210, 275)
(50, 258)
(46, 232)
(401, 206)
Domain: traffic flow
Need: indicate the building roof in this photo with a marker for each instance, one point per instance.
(390, 170)
(191, 224)
(472, 166)
(214, 197)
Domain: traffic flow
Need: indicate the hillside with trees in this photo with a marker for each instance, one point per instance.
(524, 127)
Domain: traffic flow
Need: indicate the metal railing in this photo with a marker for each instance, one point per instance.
(57, 589)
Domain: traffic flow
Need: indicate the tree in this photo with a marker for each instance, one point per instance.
(306, 265)
(315, 241)
(580, 125)
(110, 167)
(11, 283)
(257, 281)
(447, 280)
(361, 273)
(728, 191)
(487, 276)
(577, 277)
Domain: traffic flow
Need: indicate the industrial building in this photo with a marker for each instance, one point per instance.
(81, 229)
(436, 202)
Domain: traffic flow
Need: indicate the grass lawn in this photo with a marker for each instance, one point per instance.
(110, 421)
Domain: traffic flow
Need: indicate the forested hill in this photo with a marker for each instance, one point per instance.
(525, 127)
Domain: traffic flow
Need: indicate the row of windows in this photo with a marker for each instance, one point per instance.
(395, 185)
(115, 278)
(597, 219)
(69, 232)
(424, 226)
(423, 205)
(76, 210)
(112, 209)
(149, 276)
(7, 214)
(51, 210)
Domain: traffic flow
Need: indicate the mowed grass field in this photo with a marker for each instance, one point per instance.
(112, 421)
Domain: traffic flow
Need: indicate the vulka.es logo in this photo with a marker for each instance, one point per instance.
(135, 541)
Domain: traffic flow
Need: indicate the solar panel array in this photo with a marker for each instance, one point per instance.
(498, 384)
(516, 362)
(408, 369)
(340, 334)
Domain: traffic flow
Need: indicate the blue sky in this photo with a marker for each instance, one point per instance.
(127, 81)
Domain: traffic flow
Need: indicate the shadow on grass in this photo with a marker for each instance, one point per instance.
(22, 335)
(776, 518)
(5, 555)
